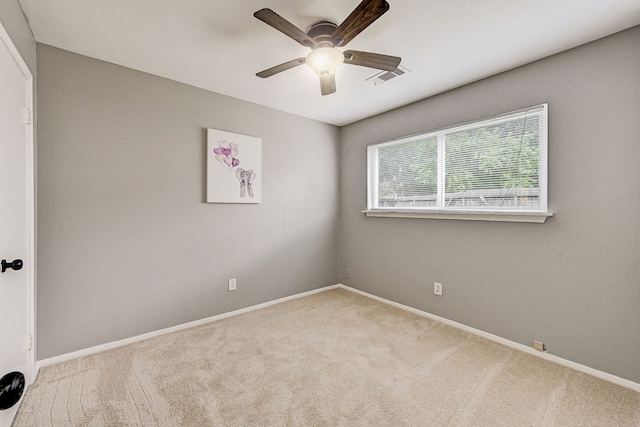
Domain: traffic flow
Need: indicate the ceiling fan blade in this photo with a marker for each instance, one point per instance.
(361, 17)
(328, 84)
(271, 18)
(371, 60)
(280, 68)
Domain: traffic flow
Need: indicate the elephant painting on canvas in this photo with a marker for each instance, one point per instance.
(245, 177)
(233, 161)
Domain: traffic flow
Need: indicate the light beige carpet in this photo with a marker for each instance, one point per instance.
(331, 359)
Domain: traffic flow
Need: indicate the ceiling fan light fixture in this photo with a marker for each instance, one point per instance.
(325, 60)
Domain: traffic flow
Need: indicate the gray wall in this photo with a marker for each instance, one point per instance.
(573, 282)
(126, 244)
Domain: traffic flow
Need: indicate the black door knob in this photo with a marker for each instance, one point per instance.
(11, 388)
(15, 265)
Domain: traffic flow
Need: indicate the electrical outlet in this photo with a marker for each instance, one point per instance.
(437, 288)
(348, 273)
(232, 285)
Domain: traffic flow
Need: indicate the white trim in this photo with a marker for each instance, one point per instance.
(521, 216)
(115, 344)
(546, 356)
(28, 77)
(512, 344)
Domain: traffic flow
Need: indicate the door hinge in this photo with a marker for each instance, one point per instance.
(27, 116)
(28, 342)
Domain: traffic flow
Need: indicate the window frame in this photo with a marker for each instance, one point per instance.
(537, 214)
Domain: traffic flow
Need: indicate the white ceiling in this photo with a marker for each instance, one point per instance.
(219, 46)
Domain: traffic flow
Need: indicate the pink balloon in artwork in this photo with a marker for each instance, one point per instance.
(234, 149)
(227, 153)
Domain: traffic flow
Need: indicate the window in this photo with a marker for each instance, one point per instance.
(493, 167)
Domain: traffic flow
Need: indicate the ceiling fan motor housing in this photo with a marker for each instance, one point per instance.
(321, 32)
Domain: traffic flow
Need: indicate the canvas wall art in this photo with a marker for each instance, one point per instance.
(234, 167)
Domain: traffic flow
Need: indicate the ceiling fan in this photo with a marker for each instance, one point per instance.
(324, 38)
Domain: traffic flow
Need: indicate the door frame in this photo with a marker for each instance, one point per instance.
(29, 119)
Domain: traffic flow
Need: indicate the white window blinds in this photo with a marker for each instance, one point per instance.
(496, 164)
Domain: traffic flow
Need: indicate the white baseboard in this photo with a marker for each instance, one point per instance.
(530, 350)
(115, 344)
(555, 359)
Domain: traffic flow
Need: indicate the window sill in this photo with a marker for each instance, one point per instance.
(535, 217)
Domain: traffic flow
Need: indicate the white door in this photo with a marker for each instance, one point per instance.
(16, 222)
